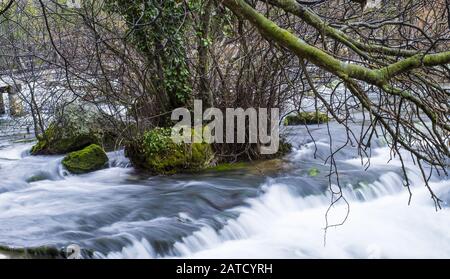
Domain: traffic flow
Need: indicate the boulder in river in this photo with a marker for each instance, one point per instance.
(58, 139)
(89, 159)
(73, 128)
(157, 153)
(306, 118)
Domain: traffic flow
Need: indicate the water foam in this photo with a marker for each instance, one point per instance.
(282, 224)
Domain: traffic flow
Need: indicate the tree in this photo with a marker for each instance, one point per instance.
(384, 51)
(157, 29)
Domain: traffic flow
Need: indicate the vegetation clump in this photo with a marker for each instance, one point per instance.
(157, 153)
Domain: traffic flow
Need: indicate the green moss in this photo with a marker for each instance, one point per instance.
(158, 141)
(89, 159)
(157, 153)
(229, 166)
(306, 118)
(60, 140)
(39, 147)
(313, 172)
(43, 252)
(75, 127)
(284, 148)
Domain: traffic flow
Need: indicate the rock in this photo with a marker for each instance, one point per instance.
(38, 177)
(60, 140)
(42, 252)
(229, 167)
(89, 159)
(157, 153)
(267, 167)
(306, 118)
(259, 167)
(73, 128)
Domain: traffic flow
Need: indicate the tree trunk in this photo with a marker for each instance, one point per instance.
(203, 54)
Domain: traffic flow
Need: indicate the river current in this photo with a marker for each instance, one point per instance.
(261, 212)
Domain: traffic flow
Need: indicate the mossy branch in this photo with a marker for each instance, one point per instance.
(377, 77)
(312, 19)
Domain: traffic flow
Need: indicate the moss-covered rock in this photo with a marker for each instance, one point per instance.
(259, 167)
(157, 153)
(89, 159)
(42, 252)
(306, 118)
(60, 140)
(229, 167)
(73, 128)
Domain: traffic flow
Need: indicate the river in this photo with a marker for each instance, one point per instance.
(249, 213)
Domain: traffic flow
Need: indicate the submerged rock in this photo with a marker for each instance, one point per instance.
(89, 159)
(259, 167)
(229, 167)
(267, 167)
(306, 118)
(38, 177)
(157, 153)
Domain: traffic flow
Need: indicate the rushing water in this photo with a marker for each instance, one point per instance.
(119, 213)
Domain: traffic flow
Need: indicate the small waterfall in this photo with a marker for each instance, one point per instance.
(118, 159)
(283, 224)
(280, 224)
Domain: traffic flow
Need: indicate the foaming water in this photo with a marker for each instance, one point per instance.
(283, 223)
(280, 224)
